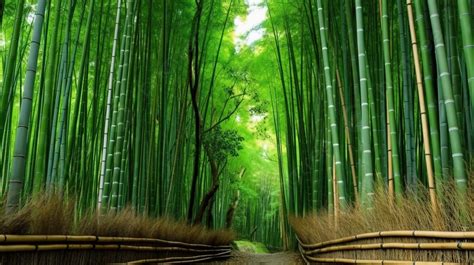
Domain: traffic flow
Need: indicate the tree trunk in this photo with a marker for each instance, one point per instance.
(193, 79)
(233, 205)
(212, 191)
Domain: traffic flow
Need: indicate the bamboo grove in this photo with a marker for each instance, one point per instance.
(126, 103)
(152, 105)
(373, 94)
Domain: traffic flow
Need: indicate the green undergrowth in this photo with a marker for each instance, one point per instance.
(250, 247)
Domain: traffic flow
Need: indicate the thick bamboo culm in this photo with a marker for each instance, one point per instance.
(174, 252)
(421, 246)
(310, 252)
(361, 261)
(50, 247)
(97, 239)
(423, 113)
(190, 259)
(347, 135)
(301, 250)
(385, 234)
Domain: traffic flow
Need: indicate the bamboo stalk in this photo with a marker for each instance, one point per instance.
(335, 194)
(401, 233)
(102, 184)
(360, 261)
(51, 247)
(394, 182)
(367, 188)
(455, 139)
(17, 177)
(301, 251)
(331, 108)
(348, 136)
(29, 248)
(98, 239)
(46, 238)
(406, 246)
(424, 118)
(152, 240)
(191, 259)
(390, 164)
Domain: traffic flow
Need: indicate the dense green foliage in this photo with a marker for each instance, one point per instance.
(170, 107)
(372, 93)
(112, 121)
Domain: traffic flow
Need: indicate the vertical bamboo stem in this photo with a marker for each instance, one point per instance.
(21, 144)
(336, 195)
(390, 164)
(348, 136)
(107, 113)
(424, 118)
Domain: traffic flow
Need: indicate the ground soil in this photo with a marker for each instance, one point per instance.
(275, 258)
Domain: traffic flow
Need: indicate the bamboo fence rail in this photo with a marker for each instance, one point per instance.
(424, 246)
(360, 261)
(454, 242)
(49, 247)
(400, 233)
(177, 260)
(173, 251)
(98, 239)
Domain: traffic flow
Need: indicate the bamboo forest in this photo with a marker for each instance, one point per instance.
(236, 131)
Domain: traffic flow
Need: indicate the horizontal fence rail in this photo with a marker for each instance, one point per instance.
(167, 251)
(178, 260)
(98, 239)
(409, 247)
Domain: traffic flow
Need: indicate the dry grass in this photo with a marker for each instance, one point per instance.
(52, 214)
(411, 212)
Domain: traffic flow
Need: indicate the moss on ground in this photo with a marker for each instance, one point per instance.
(250, 247)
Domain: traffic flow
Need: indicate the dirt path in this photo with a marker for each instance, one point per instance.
(250, 258)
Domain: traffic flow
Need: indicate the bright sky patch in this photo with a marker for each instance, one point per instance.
(248, 30)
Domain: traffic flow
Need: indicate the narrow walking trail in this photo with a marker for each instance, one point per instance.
(252, 258)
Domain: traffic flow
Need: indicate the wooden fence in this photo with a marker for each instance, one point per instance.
(61, 249)
(394, 247)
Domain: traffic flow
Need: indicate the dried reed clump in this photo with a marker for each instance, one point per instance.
(53, 214)
(166, 228)
(42, 214)
(127, 223)
(50, 214)
(411, 211)
(124, 223)
(17, 223)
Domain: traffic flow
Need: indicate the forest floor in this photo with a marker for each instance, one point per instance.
(252, 258)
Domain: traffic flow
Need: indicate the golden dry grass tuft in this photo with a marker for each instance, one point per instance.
(167, 228)
(412, 211)
(52, 214)
(17, 223)
(125, 223)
